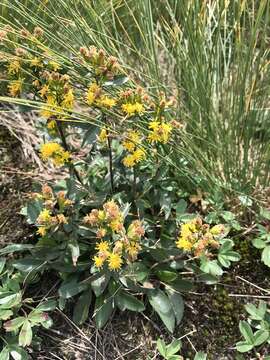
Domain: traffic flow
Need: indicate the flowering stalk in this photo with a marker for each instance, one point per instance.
(66, 147)
(110, 164)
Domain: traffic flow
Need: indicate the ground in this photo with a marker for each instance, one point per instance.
(212, 313)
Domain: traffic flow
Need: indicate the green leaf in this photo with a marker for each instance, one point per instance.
(103, 311)
(37, 317)
(243, 346)
(25, 336)
(9, 249)
(2, 264)
(181, 285)
(177, 304)
(166, 204)
(4, 354)
(75, 250)
(28, 264)
(33, 210)
(161, 347)
(173, 348)
(137, 271)
(47, 305)
(258, 243)
(256, 313)
(228, 216)
(162, 305)
(246, 331)
(260, 337)
(81, 309)
(166, 275)
(18, 353)
(90, 135)
(200, 356)
(14, 324)
(211, 267)
(69, 289)
(264, 213)
(180, 208)
(266, 256)
(99, 285)
(11, 300)
(5, 314)
(126, 301)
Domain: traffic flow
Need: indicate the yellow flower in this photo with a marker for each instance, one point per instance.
(51, 125)
(44, 91)
(44, 217)
(103, 135)
(131, 109)
(68, 101)
(133, 249)
(54, 65)
(15, 87)
(50, 107)
(184, 244)
(42, 231)
(55, 152)
(138, 107)
(99, 261)
(49, 149)
(116, 225)
(129, 161)
(103, 246)
(115, 261)
(217, 229)
(133, 138)
(36, 62)
(160, 132)
(106, 102)
(139, 155)
(92, 93)
(128, 145)
(90, 97)
(101, 215)
(14, 67)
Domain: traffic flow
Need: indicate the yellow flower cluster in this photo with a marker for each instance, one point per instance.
(103, 136)
(197, 237)
(159, 131)
(133, 109)
(116, 244)
(51, 216)
(55, 152)
(136, 154)
(95, 97)
(15, 87)
(133, 102)
(58, 94)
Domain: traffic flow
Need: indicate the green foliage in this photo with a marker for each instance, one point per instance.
(260, 321)
(18, 318)
(110, 230)
(169, 352)
(262, 240)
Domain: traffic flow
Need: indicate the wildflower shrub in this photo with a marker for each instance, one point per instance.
(115, 229)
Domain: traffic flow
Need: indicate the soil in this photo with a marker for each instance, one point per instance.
(212, 313)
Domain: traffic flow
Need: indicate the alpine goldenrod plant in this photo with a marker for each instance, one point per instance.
(115, 230)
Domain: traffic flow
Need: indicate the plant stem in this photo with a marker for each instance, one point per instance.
(72, 168)
(110, 163)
